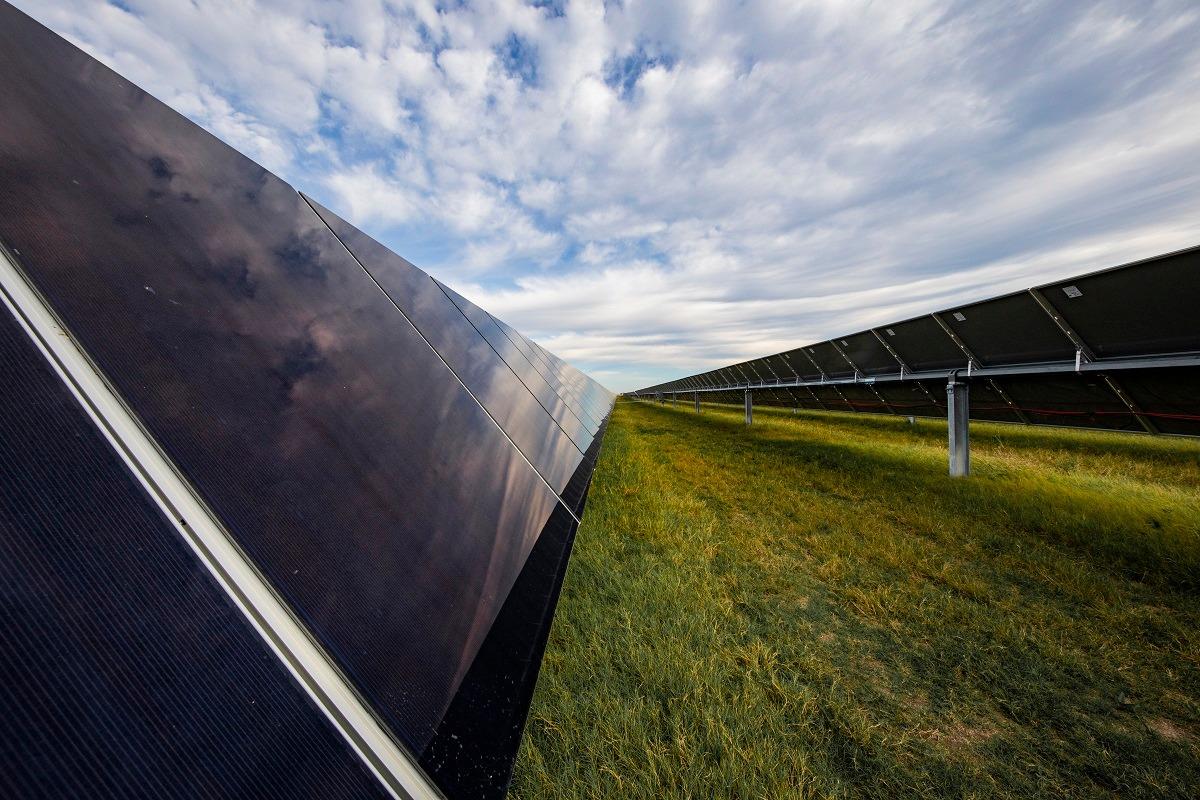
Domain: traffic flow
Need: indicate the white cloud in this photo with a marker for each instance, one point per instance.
(656, 187)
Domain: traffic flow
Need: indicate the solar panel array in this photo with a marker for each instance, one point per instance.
(1116, 349)
(401, 470)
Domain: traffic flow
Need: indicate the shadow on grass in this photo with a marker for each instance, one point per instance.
(1143, 543)
(1168, 449)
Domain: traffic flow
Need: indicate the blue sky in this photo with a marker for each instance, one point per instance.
(654, 188)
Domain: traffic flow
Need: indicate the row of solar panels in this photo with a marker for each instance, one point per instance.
(399, 473)
(1118, 348)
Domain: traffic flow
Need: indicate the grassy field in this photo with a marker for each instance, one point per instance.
(811, 608)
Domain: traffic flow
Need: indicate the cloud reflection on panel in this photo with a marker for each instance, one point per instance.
(344, 457)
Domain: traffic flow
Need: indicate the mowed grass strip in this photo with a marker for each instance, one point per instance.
(811, 608)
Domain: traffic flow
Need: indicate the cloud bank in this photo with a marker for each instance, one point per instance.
(654, 188)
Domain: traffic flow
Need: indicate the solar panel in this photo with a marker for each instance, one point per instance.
(549, 375)
(319, 420)
(828, 360)
(868, 354)
(1012, 329)
(466, 352)
(126, 670)
(580, 432)
(1114, 349)
(923, 345)
(1147, 307)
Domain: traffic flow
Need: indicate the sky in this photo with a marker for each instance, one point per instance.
(651, 189)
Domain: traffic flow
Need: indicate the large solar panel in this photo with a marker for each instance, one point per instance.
(381, 462)
(466, 352)
(549, 375)
(1116, 349)
(580, 431)
(125, 670)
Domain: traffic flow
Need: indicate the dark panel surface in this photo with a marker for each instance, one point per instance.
(347, 461)
(780, 367)
(125, 671)
(829, 360)
(782, 397)
(473, 752)
(802, 365)
(831, 397)
(743, 373)
(1170, 398)
(910, 398)
(988, 404)
(520, 364)
(867, 354)
(861, 398)
(551, 376)
(776, 369)
(582, 479)
(807, 398)
(592, 397)
(467, 353)
(1010, 330)
(1076, 400)
(758, 371)
(766, 397)
(923, 345)
(1149, 307)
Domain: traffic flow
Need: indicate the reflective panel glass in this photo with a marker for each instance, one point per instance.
(579, 432)
(468, 354)
(338, 450)
(125, 670)
(550, 374)
(471, 756)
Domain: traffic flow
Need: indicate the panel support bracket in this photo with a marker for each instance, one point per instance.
(1084, 353)
(972, 362)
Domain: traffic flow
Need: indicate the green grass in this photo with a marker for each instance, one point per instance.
(812, 608)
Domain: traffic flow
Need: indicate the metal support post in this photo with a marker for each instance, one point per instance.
(674, 398)
(958, 416)
(749, 407)
(697, 396)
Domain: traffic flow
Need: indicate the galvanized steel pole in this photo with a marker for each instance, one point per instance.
(749, 407)
(958, 416)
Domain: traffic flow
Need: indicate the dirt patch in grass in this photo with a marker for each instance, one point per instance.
(1168, 730)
